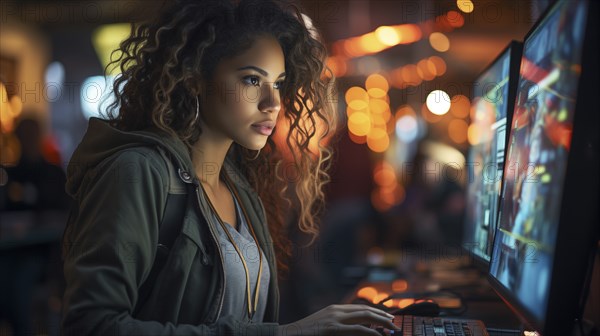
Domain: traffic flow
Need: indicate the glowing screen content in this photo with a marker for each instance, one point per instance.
(486, 157)
(538, 149)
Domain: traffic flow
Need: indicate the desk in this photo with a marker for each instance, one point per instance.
(422, 276)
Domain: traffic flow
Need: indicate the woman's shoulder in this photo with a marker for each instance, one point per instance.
(136, 157)
(130, 168)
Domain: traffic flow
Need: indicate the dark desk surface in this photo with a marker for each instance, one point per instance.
(439, 279)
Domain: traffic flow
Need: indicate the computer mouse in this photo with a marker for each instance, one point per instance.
(420, 308)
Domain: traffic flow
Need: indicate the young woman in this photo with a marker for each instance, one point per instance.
(204, 87)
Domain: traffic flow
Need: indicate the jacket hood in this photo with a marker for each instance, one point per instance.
(101, 140)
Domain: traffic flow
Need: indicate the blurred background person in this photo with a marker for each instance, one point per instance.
(33, 205)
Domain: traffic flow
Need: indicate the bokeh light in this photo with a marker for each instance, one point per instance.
(465, 5)
(378, 140)
(474, 134)
(438, 102)
(455, 19)
(377, 86)
(399, 285)
(457, 130)
(357, 139)
(337, 65)
(407, 128)
(440, 65)
(359, 123)
(387, 35)
(460, 106)
(384, 174)
(439, 42)
(357, 98)
(425, 71)
(368, 293)
(371, 44)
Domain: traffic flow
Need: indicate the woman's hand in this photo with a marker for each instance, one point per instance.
(339, 320)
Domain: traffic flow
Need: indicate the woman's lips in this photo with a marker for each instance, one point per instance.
(264, 130)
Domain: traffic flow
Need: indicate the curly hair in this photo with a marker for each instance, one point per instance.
(164, 59)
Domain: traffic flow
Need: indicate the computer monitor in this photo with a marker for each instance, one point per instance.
(547, 225)
(492, 106)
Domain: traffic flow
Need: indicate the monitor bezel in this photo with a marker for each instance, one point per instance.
(513, 49)
(576, 240)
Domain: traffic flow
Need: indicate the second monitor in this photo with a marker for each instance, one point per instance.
(493, 102)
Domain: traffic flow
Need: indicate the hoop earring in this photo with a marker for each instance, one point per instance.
(256, 156)
(197, 111)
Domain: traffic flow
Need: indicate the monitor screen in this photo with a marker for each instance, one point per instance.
(537, 157)
(493, 103)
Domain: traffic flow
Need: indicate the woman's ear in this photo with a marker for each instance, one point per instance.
(195, 87)
(194, 83)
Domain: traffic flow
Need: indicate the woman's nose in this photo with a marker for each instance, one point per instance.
(269, 99)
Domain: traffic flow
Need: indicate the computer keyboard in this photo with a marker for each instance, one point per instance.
(434, 326)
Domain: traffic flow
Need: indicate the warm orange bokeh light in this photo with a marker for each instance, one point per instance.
(455, 19)
(378, 203)
(357, 139)
(443, 24)
(425, 71)
(379, 297)
(383, 198)
(337, 65)
(457, 130)
(350, 110)
(16, 105)
(377, 86)
(439, 42)
(378, 106)
(460, 106)
(465, 5)
(399, 285)
(10, 109)
(377, 121)
(359, 123)
(440, 65)
(352, 47)
(431, 67)
(357, 98)
(409, 33)
(387, 35)
(393, 194)
(382, 38)
(371, 44)
(376, 93)
(378, 140)
(405, 303)
(384, 175)
(368, 293)
(474, 134)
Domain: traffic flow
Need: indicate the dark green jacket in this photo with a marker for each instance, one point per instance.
(120, 183)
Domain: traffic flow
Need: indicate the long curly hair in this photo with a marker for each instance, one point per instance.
(162, 60)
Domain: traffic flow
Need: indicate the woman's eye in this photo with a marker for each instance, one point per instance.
(252, 80)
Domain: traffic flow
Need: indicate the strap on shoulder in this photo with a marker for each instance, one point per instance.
(170, 226)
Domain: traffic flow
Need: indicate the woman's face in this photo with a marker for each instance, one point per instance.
(242, 101)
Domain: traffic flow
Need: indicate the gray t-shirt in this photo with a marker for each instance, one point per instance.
(235, 301)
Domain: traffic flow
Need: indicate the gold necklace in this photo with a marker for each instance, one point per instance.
(251, 307)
